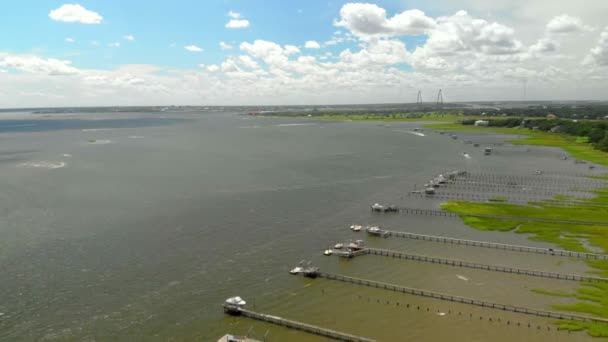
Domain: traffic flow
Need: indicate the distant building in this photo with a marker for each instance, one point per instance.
(482, 123)
(551, 116)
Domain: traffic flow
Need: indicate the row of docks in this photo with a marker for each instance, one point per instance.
(547, 179)
(535, 184)
(516, 189)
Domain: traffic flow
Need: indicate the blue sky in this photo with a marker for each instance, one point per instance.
(162, 29)
(472, 49)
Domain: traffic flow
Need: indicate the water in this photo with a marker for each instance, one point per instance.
(143, 236)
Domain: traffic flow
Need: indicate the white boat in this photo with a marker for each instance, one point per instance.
(377, 207)
(538, 172)
(296, 270)
(429, 191)
(238, 301)
(339, 246)
(328, 252)
(373, 229)
(355, 228)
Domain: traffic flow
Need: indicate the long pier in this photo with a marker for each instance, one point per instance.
(494, 245)
(309, 328)
(432, 212)
(494, 268)
(459, 299)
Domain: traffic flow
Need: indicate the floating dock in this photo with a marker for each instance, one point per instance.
(458, 299)
(494, 245)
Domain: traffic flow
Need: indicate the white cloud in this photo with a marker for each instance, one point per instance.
(237, 23)
(545, 46)
(193, 48)
(114, 44)
(234, 15)
(599, 54)
(36, 65)
(69, 40)
(365, 19)
(462, 33)
(129, 37)
(74, 13)
(225, 46)
(311, 44)
(471, 57)
(248, 62)
(291, 49)
(564, 24)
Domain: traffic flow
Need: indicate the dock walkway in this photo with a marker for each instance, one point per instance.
(484, 244)
(309, 328)
(431, 212)
(458, 299)
(494, 268)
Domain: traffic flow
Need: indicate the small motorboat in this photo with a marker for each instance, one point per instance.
(296, 270)
(355, 228)
(339, 246)
(238, 301)
(328, 252)
(538, 172)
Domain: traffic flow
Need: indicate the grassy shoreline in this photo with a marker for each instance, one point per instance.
(592, 298)
(579, 150)
(397, 117)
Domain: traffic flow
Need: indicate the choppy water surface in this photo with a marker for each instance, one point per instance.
(139, 229)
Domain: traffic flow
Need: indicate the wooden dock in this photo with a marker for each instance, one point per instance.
(432, 212)
(309, 328)
(484, 244)
(459, 299)
(493, 268)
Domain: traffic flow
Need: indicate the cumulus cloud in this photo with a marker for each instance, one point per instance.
(129, 37)
(237, 23)
(248, 62)
(369, 20)
(462, 33)
(193, 48)
(225, 46)
(36, 65)
(311, 44)
(69, 40)
(564, 24)
(470, 57)
(114, 44)
(291, 49)
(599, 54)
(74, 13)
(544, 46)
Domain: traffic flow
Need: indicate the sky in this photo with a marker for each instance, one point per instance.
(276, 52)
